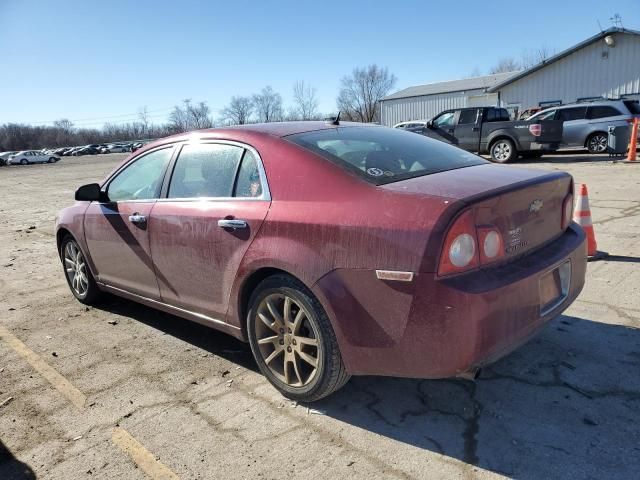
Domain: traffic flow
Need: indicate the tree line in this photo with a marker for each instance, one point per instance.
(358, 100)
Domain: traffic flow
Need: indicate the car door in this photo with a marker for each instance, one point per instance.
(467, 129)
(442, 127)
(216, 201)
(117, 231)
(574, 125)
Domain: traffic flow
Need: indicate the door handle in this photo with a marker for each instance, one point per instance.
(476, 129)
(137, 218)
(232, 223)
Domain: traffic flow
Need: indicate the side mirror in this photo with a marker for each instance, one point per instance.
(430, 124)
(91, 193)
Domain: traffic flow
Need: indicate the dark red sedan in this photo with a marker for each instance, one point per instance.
(335, 250)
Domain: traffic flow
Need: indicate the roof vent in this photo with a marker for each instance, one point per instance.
(610, 41)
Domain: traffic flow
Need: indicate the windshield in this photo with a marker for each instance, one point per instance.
(384, 155)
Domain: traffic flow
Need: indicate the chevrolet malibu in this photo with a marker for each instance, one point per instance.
(334, 249)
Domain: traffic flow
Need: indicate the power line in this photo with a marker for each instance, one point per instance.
(81, 120)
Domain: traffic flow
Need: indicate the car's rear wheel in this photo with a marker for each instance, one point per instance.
(597, 142)
(51, 160)
(503, 150)
(77, 272)
(292, 340)
(24, 161)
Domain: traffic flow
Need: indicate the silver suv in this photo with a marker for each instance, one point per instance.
(586, 124)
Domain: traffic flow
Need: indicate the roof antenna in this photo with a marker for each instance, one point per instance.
(334, 120)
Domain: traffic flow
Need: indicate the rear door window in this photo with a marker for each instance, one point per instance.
(384, 155)
(602, 111)
(248, 183)
(205, 170)
(468, 116)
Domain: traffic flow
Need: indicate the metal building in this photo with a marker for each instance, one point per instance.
(425, 101)
(606, 65)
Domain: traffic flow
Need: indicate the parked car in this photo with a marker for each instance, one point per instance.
(86, 150)
(4, 156)
(586, 124)
(27, 157)
(490, 130)
(114, 148)
(390, 254)
(414, 125)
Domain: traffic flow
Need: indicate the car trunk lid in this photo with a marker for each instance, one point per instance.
(524, 204)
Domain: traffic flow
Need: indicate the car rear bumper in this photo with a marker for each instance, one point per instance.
(438, 328)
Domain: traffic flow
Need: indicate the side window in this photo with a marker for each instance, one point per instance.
(205, 170)
(468, 116)
(142, 179)
(568, 114)
(444, 120)
(248, 183)
(602, 112)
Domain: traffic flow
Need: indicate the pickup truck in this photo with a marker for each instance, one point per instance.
(489, 130)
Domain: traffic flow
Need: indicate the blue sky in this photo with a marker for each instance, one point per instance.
(96, 61)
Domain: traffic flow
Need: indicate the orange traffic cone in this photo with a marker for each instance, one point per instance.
(582, 216)
(633, 144)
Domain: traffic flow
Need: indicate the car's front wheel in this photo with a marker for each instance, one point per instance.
(51, 160)
(24, 161)
(77, 272)
(597, 143)
(503, 151)
(292, 340)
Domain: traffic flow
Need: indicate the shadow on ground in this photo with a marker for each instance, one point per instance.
(11, 467)
(566, 405)
(213, 341)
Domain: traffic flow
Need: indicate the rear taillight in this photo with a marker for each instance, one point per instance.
(460, 252)
(567, 211)
(535, 129)
(491, 245)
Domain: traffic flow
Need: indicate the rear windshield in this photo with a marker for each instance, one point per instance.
(384, 155)
(633, 106)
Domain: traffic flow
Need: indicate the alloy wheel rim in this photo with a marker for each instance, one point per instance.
(76, 268)
(599, 143)
(501, 151)
(288, 340)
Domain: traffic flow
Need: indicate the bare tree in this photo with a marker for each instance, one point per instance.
(504, 65)
(536, 56)
(268, 105)
(361, 92)
(143, 117)
(238, 112)
(64, 124)
(190, 117)
(305, 101)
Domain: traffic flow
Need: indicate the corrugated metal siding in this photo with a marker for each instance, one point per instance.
(584, 73)
(422, 108)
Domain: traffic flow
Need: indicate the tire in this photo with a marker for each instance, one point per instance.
(597, 142)
(284, 359)
(24, 161)
(82, 286)
(51, 160)
(503, 151)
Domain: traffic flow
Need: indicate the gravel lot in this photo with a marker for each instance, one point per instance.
(140, 391)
